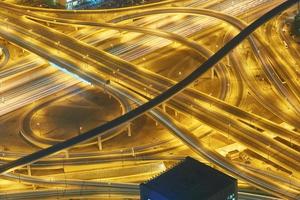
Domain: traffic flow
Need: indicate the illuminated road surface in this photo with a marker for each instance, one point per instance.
(69, 62)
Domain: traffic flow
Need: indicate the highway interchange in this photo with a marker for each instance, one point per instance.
(247, 102)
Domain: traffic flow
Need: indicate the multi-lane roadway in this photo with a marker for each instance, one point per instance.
(107, 59)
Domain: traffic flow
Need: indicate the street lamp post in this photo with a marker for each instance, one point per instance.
(80, 129)
(6, 19)
(268, 152)
(39, 130)
(229, 124)
(85, 61)
(290, 182)
(57, 44)
(145, 89)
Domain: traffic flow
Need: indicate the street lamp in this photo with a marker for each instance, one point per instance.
(6, 19)
(229, 125)
(86, 63)
(114, 75)
(80, 129)
(57, 44)
(38, 127)
(268, 151)
(291, 143)
(145, 91)
(290, 176)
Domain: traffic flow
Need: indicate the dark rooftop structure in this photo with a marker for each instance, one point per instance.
(190, 180)
(297, 25)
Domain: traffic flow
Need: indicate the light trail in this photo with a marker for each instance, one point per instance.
(213, 56)
(263, 140)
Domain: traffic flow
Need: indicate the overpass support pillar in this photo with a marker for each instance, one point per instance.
(28, 170)
(129, 129)
(212, 73)
(99, 143)
(164, 107)
(34, 187)
(228, 61)
(67, 154)
(122, 108)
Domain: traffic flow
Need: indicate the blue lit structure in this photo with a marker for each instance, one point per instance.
(70, 73)
(190, 180)
(82, 4)
(92, 4)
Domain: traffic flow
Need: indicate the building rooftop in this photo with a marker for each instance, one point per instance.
(190, 179)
